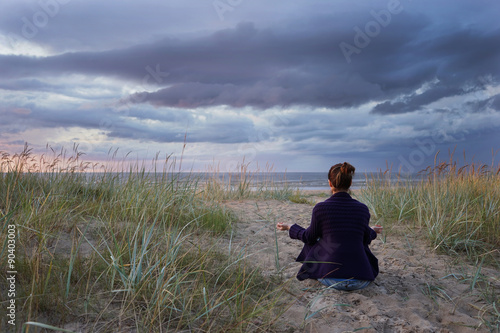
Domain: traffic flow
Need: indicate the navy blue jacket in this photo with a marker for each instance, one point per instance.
(336, 242)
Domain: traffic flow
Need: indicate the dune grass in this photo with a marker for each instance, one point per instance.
(457, 210)
(116, 247)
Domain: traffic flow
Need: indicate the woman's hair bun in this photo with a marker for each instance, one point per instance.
(347, 169)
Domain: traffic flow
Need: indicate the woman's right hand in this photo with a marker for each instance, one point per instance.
(282, 226)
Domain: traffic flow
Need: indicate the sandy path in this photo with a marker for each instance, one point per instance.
(413, 293)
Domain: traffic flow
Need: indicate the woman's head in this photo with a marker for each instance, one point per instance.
(340, 176)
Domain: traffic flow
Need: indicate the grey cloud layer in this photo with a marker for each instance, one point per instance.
(247, 66)
(169, 125)
(184, 62)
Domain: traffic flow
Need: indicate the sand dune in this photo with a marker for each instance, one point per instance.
(417, 290)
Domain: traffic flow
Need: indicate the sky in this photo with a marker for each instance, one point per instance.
(299, 85)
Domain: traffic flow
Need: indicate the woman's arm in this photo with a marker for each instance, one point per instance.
(369, 235)
(308, 236)
(311, 234)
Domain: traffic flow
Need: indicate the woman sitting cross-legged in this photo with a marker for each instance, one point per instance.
(336, 242)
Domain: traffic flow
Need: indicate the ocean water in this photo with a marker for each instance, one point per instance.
(304, 180)
(294, 180)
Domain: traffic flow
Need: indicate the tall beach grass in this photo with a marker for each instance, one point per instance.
(115, 247)
(457, 210)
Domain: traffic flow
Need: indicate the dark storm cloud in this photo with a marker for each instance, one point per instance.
(247, 66)
(457, 60)
(240, 55)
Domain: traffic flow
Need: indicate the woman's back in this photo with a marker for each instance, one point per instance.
(336, 241)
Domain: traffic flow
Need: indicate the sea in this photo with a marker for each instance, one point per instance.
(293, 180)
(305, 180)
